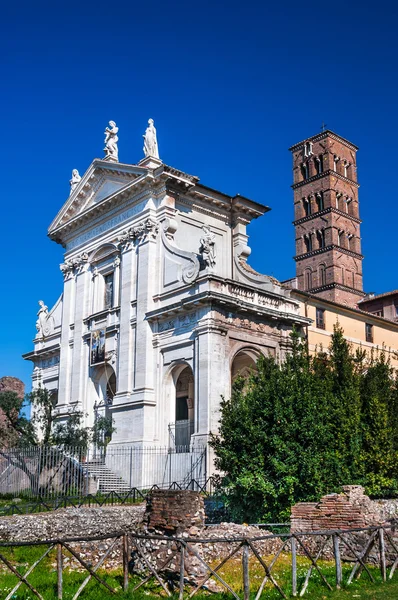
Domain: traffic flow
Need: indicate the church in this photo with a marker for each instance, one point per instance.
(160, 310)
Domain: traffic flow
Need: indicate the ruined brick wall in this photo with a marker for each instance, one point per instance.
(174, 511)
(12, 384)
(348, 510)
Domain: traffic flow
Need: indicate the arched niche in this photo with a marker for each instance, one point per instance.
(182, 405)
(244, 363)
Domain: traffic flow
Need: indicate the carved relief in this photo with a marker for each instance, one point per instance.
(49, 362)
(79, 264)
(208, 247)
(186, 320)
(147, 229)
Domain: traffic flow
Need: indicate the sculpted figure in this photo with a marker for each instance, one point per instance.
(208, 247)
(111, 141)
(42, 317)
(75, 180)
(150, 141)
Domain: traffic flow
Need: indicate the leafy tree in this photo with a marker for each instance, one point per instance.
(102, 431)
(379, 452)
(295, 431)
(14, 426)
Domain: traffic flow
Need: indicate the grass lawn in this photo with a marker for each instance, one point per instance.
(44, 579)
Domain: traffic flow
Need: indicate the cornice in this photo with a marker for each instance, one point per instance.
(99, 208)
(326, 211)
(338, 286)
(327, 173)
(327, 249)
(321, 136)
(42, 353)
(210, 297)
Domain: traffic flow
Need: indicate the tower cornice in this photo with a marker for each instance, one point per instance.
(327, 173)
(327, 249)
(337, 286)
(326, 211)
(320, 136)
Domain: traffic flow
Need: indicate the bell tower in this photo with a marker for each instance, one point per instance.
(327, 224)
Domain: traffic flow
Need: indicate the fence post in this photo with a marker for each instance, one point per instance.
(59, 571)
(125, 543)
(382, 550)
(182, 567)
(337, 558)
(245, 565)
(294, 565)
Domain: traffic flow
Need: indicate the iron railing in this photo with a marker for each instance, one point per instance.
(49, 472)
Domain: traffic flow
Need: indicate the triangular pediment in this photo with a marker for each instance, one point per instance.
(101, 180)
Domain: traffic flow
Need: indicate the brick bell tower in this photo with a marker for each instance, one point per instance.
(327, 224)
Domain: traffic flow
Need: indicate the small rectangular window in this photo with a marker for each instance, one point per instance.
(108, 291)
(320, 318)
(369, 332)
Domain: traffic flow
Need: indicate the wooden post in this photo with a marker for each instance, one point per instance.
(382, 549)
(294, 566)
(182, 568)
(337, 558)
(245, 565)
(59, 571)
(125, 543)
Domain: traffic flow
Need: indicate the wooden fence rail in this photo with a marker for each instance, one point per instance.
(356, 547)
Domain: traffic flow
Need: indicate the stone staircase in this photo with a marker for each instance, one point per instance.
(108, 480)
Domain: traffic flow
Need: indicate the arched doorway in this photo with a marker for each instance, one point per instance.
(244, 363)
(184, 407)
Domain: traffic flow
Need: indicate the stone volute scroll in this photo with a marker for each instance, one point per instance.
(208, 247)
(186, 264)
(150, 141)
(111, 140)
(74, 182)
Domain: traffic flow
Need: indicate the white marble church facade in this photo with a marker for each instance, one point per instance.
(160, 309)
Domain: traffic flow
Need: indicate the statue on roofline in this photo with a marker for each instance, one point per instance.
(150, 141)
(74, 181)
(111, 140)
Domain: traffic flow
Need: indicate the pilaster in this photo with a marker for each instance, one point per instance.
(65, 364)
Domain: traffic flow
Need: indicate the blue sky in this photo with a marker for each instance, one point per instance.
(231, 85)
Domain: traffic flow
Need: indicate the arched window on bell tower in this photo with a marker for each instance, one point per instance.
(322, 274)
(320, 236)
(308, 279)
(319, 200)
(307, 206)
